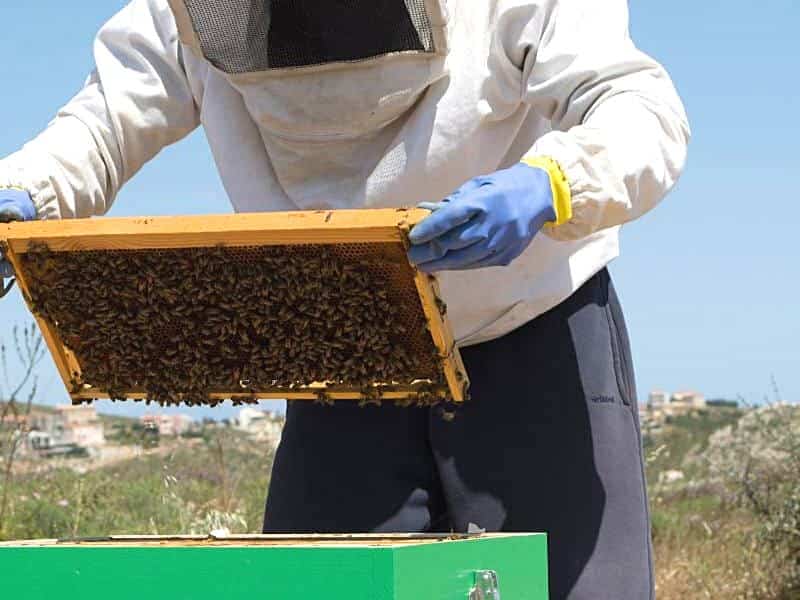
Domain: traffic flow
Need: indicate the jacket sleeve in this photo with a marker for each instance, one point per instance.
(136, 102)
(620, 132)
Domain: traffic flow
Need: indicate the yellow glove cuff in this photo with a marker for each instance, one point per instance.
(559, 185)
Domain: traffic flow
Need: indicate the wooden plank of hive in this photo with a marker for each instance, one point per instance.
(240, 230)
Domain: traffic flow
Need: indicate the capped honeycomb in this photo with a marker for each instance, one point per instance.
(187, 325)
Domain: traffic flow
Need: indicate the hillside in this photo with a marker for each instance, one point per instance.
(107, 420)
(683, 436)
(41, 408)
(711, 540)
(187, 486)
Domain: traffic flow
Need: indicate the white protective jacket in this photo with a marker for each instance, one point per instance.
(559, 78)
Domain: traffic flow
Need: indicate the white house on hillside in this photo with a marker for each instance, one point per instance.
(260, 425)
(692, 399)
(657, 399)
(67, 426)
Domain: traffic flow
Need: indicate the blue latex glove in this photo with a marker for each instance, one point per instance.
(15, 205)
(488, 222)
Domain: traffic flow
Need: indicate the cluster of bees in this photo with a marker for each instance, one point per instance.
(179, 325)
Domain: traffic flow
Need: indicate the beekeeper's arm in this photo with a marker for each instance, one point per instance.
(618, 145)
(621, 132)
(136, 102)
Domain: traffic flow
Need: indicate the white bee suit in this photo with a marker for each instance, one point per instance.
(462, 88)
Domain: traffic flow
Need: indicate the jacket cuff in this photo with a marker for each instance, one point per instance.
(13, 175)
(599, 197)
(559, 187)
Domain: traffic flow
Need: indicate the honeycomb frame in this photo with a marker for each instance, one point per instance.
(245, 231)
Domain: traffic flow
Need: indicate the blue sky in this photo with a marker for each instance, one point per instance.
(709, 280)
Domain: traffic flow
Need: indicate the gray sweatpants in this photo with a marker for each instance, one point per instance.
(549, 442)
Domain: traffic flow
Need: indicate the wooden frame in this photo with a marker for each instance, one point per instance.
(255, 229)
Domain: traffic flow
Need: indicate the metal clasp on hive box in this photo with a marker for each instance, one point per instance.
(486, 586)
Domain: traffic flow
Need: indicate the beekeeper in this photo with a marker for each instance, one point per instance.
(532, 128)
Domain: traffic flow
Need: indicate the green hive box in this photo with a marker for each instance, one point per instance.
(473, 567)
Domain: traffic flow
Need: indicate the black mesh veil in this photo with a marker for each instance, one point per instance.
(241, 36)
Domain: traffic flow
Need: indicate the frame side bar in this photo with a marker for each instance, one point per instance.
(64, 363)
(435, 311)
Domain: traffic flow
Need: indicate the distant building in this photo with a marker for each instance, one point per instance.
(168, 425)
(182, 424)
(39, 440)
(688, 399)
(75, 427)
(78, 425)
(261, 425)
(12, 421)
(657, 399)
(249, 416)
(662, 406)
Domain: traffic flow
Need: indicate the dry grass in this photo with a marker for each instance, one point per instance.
(719, 558)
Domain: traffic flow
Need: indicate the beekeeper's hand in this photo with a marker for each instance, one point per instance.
(491, 220)
(15, 205)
